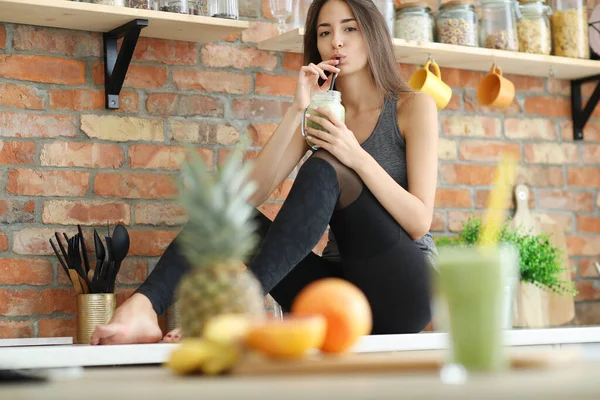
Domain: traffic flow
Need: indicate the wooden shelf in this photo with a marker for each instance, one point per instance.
(463, 57)
(101, 18)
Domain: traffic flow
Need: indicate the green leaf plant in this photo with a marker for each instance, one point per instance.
(540, 261)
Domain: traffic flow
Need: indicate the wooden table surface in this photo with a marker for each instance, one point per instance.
(574, 381)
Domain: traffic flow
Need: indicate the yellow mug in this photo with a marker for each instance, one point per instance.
(431, 83)
(495, 90)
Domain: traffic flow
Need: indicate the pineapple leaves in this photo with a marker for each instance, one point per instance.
(220, 225)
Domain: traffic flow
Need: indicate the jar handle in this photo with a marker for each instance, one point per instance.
(303, 131)
(436, 68)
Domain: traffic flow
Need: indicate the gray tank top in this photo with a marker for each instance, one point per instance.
(386, 145)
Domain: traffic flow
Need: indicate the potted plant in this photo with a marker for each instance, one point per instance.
(540, 265)
(540, 261)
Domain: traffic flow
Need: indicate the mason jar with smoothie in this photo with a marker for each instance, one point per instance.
(330, 100)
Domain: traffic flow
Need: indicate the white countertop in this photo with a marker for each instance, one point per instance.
(55, 356)
(513, 337)
(50, 341)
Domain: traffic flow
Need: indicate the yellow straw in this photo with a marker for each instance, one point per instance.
(499, 199)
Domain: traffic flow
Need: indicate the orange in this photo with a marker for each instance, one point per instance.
(291, 337)
(344, 306)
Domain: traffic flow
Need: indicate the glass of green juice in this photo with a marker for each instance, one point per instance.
(475, 287)
(329, 99)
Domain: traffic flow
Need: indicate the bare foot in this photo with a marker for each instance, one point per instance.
(173, 337)
(135, 321)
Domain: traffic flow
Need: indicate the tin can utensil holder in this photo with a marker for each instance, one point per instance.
(92, 310)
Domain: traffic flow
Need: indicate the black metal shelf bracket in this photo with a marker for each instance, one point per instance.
(116, 62)
(581, 114)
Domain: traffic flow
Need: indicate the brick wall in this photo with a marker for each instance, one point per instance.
(65, 160)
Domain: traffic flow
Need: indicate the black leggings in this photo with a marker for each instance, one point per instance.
(377, 255)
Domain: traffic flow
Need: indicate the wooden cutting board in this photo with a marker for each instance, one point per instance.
(561, 307)
(405, 361)
(534, 307)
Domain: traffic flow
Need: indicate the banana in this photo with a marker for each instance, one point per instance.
(223, 360)
(189, 356)
(204, 357)
(227, 329)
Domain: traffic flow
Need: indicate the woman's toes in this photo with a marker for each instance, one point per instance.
(173, 336)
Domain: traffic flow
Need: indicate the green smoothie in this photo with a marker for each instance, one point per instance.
(331, 100)
(471, 284)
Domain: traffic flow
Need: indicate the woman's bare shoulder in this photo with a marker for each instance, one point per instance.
(413, 106)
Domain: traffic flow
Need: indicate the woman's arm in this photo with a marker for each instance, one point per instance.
(286, 146)
(279, 156)
(413, 209)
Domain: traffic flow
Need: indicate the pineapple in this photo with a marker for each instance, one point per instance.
(217, 239)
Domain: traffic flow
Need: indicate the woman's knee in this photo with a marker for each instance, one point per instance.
(340, 168)
(349, 182)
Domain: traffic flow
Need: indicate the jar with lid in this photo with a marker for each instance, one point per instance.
(223, 9)
(414, 21)
(386, 8)
(499, 24)
(456, 23)
(330, 100)
(570, 28)
(143, 4)
(175, 6)
(118, 3)
(533, 28)
(197, 7)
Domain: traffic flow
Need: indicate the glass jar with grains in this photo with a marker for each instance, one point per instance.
(570, 28)
(174, 6)
(197, 7)
(534, 28)
(499, 24)
(414, 22)
(144, 4)
(456, 23)
(223, 9)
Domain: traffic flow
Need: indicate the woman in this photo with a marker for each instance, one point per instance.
(372, 181)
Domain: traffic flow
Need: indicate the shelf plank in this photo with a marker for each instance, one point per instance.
(463, 57)
(101, 18)
(289, 42)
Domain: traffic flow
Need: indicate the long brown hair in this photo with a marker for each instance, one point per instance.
(381, 60)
